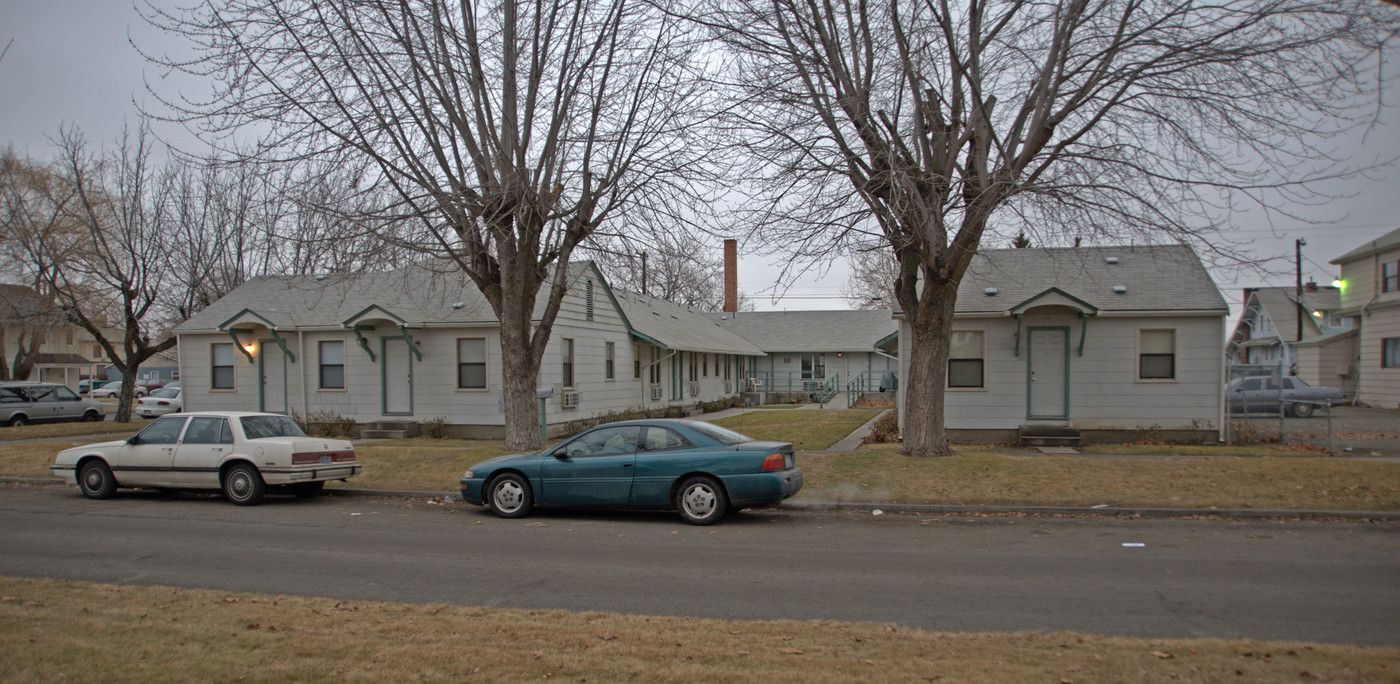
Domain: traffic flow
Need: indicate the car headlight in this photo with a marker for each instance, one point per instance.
(468, 476)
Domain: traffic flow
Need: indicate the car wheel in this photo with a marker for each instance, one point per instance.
(306, 490)
(243, 485)
(96, 481)
(91, 417)
(19, 421)
(701, 501)
(508, 496)
(1302, 410)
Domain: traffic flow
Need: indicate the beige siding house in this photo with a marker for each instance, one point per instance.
(1104, 341)
(1370, 296)
(414, 345)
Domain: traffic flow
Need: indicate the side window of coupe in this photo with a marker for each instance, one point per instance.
(660, 439)
(10, 395)
(163, 431)
(619, 440)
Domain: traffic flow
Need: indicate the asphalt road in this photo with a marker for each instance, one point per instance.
(1307, 581)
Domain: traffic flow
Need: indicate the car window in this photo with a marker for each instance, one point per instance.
(10, 395)
(166, 393)
(717, 433)
(660, 439)
(605, 441)
(206, 431)
(257, 427)
(65, 394)
(42, 394)
(163, 431)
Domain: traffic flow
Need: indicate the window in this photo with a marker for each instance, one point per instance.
(609, 360)
(636, 362)
(221, 365)
(1156, 354)
(694, 368)
(332, 364)
(164, 431)
(208, 431)
(605, 442)
(1390, 276)
(724, 359)
(966, 362)
(705, 365)
(567, 354)
(471, 363)
(655, 374)
(661, 439)
(1390, 352)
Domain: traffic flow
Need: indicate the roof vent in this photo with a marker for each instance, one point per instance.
(459, 305)
(1120, 289)
(990, 292)
(1111, 261)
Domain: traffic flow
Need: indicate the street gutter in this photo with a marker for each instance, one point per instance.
(927, 509)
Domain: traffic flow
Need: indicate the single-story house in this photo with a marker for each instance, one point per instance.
(1105, 341)
(421, 343)
(1371, 299)
(807, 350)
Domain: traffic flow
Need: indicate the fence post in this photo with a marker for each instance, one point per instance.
(1331, 447)
(1282, 409)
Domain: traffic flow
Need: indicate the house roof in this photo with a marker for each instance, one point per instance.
(674, 326)
(1152, 277)
(818, 331)
(417, 295)
(1388, 241)
(1280, 304)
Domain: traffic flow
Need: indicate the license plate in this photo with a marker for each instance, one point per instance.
(325, 459)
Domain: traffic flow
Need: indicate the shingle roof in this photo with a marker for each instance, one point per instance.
(674, 326)
(819, 331)
(1280, 304)
(1153, 277)
(1390, 240)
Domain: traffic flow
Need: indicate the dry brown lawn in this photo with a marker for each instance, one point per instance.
(59, 631)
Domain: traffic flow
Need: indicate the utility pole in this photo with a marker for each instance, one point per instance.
(1298, 274)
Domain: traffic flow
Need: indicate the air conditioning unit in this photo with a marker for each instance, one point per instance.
(569, 399)
(656, 392)
(694, 389)
(728, 387)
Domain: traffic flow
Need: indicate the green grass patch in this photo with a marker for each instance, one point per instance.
(811, 429)
(61, 631)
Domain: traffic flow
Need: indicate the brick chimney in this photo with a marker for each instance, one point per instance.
(731, 276)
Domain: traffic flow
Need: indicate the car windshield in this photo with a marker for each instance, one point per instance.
(256, 427)
(717, 433)
(166, 393)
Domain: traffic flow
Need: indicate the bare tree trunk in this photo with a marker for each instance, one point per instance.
(930, 322)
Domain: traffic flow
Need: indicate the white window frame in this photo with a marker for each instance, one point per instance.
(1176, 355)
(320, 367)
(948, 380)
(485, 363)
(568, 363)
(233, 367)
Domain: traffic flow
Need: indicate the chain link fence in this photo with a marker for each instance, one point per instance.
(1264, 404)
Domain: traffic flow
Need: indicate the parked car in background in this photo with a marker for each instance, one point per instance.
(160, 402)
(149, 385)
(1265, 394)
(244, 455)
(23, 403)
(113, 389)
(84, 386)
(697, 469)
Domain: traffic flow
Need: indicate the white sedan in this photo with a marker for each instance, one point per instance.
(245, 455)
(162, 401)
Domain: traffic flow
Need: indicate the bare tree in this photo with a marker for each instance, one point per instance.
(919, 122)
(508, 132)
(111, 286)
(34, 208)
(873, 272)
(677, 269)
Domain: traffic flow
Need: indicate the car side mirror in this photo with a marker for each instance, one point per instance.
(135, 439)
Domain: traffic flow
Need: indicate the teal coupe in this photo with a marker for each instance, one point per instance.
(697, 469)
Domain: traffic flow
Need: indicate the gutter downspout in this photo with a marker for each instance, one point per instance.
(301, 349)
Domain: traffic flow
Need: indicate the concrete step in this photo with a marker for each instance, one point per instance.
(383, 434)
(1040, 441)
(1048, 436)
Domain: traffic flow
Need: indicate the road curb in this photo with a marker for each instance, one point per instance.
(931, 509)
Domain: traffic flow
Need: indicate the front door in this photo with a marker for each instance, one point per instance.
(272, 364)
(1048, 374)
(397, 374)
(149, 457)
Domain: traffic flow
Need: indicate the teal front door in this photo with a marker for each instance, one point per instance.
(397, 377)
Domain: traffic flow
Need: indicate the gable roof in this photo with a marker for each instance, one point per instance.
(673, 326)
(1153, 278)
(1385, 242)
(819, 331)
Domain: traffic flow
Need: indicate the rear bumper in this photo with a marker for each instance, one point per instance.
(311, 473)
(763, 489)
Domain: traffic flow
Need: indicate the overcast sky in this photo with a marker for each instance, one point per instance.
(71, 62)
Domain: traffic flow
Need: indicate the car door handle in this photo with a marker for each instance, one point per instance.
(626, 465)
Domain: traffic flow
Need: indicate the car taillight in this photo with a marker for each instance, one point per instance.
(773, 462)
(162, 403)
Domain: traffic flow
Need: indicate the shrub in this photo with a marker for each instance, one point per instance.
(325, 424)
(885, 429)
(434, 428)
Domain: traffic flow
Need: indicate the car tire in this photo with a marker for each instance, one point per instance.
(20, 420)
(1302, 410)
(701, 501)
(306, 490)
(91, 417)
(96, 481)
(243, 485)
(509, 496)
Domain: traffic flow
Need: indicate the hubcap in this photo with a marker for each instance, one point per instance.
(240, 484)
(93, 479)
(509, 496)
(699, 501)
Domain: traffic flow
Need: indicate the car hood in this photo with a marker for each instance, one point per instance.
(504, 460)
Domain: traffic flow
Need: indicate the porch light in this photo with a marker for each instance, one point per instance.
(1317, 314)
(249, 347)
